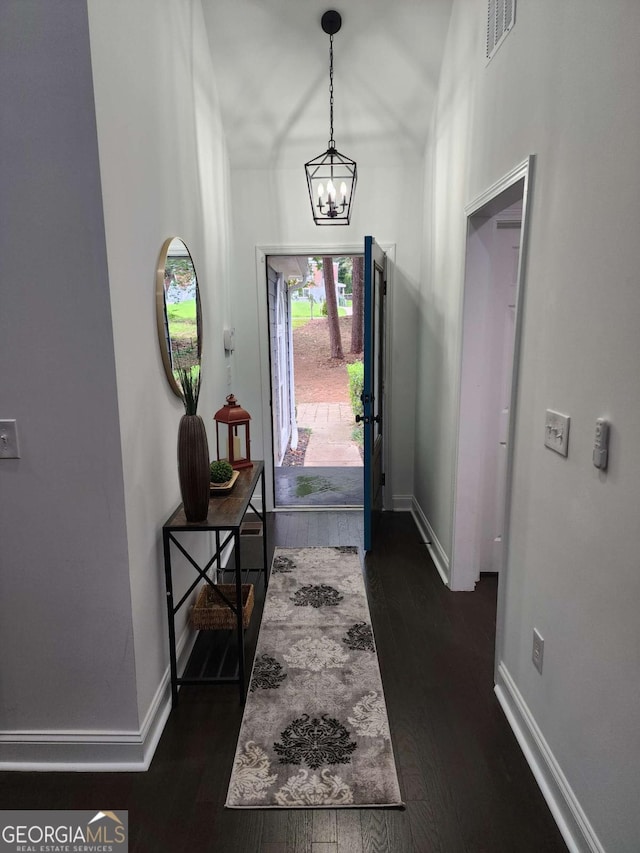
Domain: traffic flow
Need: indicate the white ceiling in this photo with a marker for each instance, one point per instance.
(271, 62)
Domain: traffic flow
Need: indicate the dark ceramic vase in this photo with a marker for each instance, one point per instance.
(193, 467)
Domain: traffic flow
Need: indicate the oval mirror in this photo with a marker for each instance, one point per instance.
(178, 310)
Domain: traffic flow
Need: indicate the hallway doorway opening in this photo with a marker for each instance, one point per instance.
(491, 321)
(314, 307)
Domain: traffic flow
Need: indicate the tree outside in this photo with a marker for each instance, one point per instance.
(335, 339)
(357, 320)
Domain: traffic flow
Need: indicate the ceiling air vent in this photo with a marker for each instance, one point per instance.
(501, 16)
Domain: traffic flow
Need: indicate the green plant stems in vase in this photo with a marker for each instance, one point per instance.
(189, 381)
(193, 449)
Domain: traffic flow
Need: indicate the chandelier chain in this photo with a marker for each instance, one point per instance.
(332, 142)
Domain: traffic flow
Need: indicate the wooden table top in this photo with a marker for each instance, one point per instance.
(225, 511)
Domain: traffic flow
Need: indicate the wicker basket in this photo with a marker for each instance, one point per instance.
(210, 613)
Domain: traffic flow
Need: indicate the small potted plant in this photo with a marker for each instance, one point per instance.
(222, 476)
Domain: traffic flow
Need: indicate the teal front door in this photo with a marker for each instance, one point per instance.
(375, 286)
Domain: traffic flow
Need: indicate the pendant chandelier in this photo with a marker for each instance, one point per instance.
(331, 177)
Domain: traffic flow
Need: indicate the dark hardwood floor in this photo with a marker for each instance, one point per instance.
(466, 784)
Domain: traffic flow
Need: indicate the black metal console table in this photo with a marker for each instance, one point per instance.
(226, 514)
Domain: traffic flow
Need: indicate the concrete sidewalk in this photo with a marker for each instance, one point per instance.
(330, 443)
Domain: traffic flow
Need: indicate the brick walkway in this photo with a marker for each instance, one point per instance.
(330, 442)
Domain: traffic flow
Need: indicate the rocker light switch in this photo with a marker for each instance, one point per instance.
(556, 432)
(9, 440)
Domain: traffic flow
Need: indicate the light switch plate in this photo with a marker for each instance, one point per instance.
(537, 654)
(9, 440)
(556, 432)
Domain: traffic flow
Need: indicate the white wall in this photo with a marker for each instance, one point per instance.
(565, 86)
(164, 173)
(65, 611)
(83, 607)
(271, 208)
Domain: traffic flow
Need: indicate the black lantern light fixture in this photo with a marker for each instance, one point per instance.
(331, 177)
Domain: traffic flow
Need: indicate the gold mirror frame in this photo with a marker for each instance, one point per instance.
(164, 337)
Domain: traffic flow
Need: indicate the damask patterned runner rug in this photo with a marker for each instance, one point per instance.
(315, 731)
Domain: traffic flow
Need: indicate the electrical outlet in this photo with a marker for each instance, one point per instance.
(537, 654)
(9, 440)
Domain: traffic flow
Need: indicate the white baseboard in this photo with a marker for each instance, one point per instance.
(402, 503)
(68, 751)
(567, 812)
(435, 549)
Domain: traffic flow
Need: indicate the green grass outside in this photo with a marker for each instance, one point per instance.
(301, 312)
(182, 319)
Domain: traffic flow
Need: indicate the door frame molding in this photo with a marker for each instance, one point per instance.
(522, 172)
(318, 249)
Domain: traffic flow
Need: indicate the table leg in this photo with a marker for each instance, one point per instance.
(236, 537)
(264, 532)
(166, 542)
(218, 562)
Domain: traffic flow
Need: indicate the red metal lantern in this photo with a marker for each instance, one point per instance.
(235, 442)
